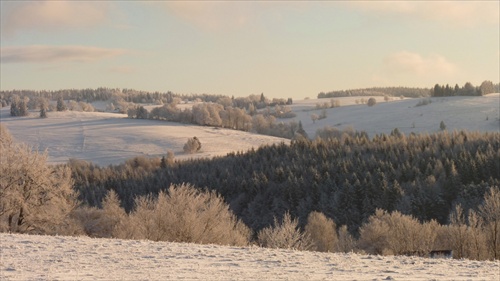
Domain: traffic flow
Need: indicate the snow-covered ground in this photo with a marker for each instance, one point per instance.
(110, 138)
(458, 113)
(25, 257)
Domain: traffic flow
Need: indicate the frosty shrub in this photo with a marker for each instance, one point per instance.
(186, 214)
(34, 197)
(371, 101)
(489, 213)
(322, 231)
(458, 233)
(396, 234)
(346, 243)
(109, 221)
(192, 145)
(285, 235)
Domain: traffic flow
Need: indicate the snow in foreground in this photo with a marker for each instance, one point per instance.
(26, 257)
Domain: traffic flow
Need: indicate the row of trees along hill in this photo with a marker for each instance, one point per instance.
(378, 91)
(487, 87)
(123, 99)
(345, 178)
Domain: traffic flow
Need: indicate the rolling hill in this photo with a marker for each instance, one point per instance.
(111, 138)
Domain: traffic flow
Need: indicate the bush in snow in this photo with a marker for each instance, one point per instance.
(322, 232)
(192, 145)
(285, 235)
(396, 234)
(371, 101)
(186, 214)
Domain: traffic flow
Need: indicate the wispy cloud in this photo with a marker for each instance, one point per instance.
(410, 68)
(225, 15)
(452, 13)
(210, 15)
(405, 62)
(47, 54)
(50, 15)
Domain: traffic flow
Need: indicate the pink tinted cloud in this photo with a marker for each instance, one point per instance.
(451, 13)
(52, 15)
(47, 54)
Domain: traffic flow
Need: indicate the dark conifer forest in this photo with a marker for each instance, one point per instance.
(345, 178)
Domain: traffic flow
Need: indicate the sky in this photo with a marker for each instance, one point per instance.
(238, 48)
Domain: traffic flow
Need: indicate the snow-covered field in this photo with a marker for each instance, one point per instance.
(458, 113)
(25, 257)
(110, 138)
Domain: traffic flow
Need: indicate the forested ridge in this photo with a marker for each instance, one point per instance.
(345, 178)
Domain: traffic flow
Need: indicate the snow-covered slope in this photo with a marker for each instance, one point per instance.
(109, 138)
(458, 113)
(25, 257)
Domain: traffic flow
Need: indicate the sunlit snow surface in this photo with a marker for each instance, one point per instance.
(25, 257)
(109, 138)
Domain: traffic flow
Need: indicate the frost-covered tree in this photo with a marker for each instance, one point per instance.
(285, 235)
(142, 113)
(395, 233)
(346, 242)
(314, 117)
(186, 214)
(322, 231)
(371, 101)
(192, 145)
(14, 109)
(34, 197)
(490, 214)
(18, 106)
(486, 87)
(61, 106)
(44, 106)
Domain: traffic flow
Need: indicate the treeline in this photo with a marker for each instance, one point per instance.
(225, 115)
(345, 178)
(90, 95)
(122, 98)
(378, 91)
(487, 87)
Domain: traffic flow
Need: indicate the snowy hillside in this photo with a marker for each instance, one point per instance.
(110, 138)
(25, 257)
(458, 113)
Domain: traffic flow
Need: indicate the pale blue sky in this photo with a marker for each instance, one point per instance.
(283, 49)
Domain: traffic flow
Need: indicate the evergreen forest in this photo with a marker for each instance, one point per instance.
(346, 178)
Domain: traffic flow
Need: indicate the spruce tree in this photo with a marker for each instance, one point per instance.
(61, 106)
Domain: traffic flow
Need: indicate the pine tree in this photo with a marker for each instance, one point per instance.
(61, 106)
(43, 113)
(43, 103)
(442, 126)
(23, 108)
